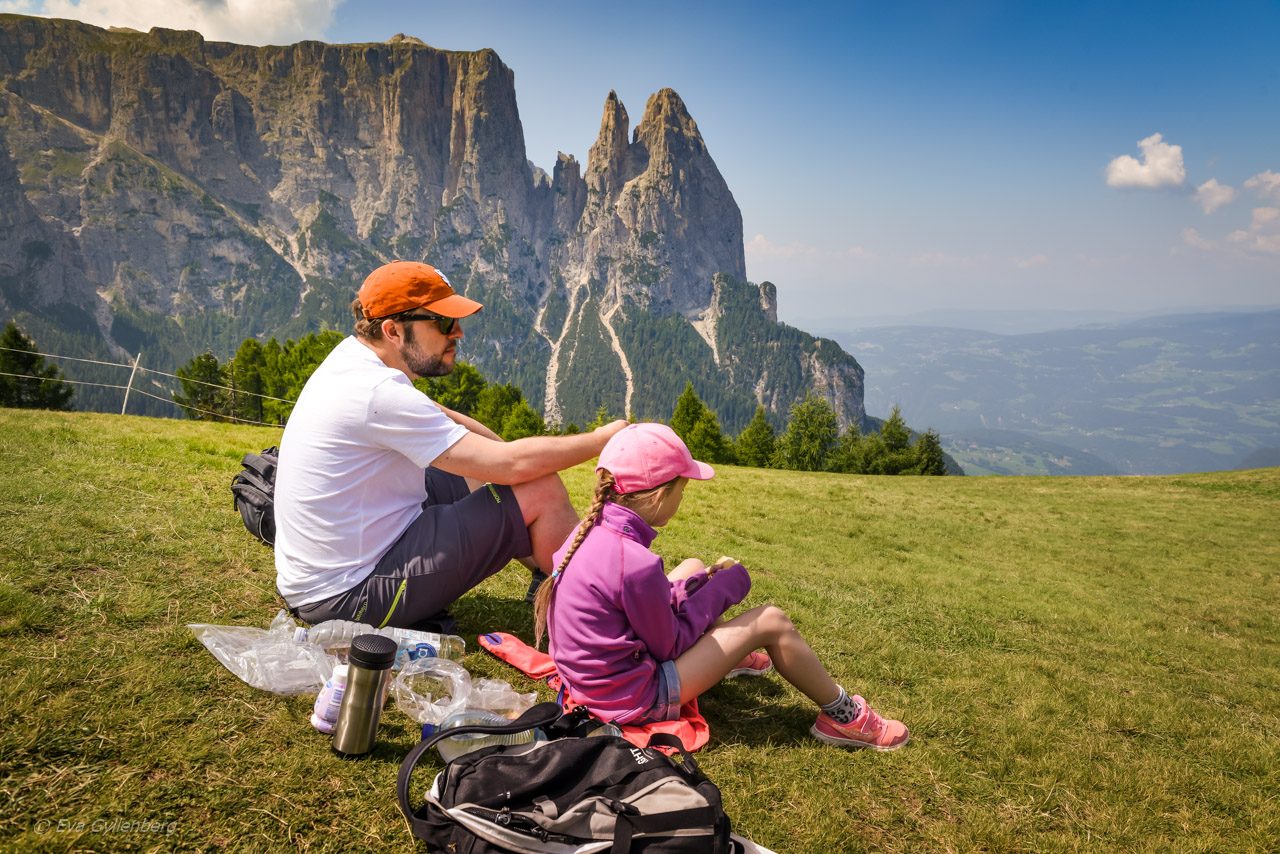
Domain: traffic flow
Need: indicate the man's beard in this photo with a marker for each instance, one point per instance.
(422, 364)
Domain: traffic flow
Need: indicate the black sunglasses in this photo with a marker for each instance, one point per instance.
(446, 325)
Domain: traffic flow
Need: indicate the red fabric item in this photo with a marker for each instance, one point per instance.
(691, 727)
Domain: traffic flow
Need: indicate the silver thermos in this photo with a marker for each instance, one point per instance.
(370, 663)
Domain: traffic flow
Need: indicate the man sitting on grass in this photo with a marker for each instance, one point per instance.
(361, 532)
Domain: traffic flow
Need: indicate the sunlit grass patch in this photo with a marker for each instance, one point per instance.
(1085, 663)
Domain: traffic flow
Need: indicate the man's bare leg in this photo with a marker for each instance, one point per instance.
(549, 516)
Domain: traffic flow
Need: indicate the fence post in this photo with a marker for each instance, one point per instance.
(129, 387)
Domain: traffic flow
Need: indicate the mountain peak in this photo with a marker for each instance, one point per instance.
(667, 129)
(607, 159)
(410, 41)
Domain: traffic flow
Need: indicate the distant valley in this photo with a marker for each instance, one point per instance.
(1160, 395)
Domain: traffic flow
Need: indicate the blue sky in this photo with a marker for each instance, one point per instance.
(899, 157)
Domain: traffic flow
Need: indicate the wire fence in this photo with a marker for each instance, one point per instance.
(131, 388)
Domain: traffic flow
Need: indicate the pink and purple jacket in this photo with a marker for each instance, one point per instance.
(614, 617)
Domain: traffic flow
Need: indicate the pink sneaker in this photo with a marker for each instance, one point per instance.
(755, 664)
(867, 730)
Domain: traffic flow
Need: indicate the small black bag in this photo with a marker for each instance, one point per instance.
(568, 794)
(254, 492)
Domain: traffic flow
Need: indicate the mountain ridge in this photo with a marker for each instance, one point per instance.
(173, 194)
(1156, 395)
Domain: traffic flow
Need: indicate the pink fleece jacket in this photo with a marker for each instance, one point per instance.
(614, 617)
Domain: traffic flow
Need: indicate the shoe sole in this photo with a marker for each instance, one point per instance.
(849, 742)
(747, 671)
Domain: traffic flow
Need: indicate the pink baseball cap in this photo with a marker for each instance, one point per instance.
(642, 456)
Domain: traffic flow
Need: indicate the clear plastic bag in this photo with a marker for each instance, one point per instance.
(497, 696)
(268, 659)
(431, 689)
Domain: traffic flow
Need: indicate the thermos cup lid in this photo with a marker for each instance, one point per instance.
(373, 652)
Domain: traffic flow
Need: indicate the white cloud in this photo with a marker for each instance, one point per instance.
(1161, 166)
(1191, 237)
(1263, 233)
(946, 260)
(1211, 195)
(243, 21)
(1265, 184)
(1033, 261)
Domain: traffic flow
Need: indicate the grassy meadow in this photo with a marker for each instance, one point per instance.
(1084, 663)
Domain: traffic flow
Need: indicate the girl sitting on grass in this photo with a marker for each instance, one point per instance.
(633, 644)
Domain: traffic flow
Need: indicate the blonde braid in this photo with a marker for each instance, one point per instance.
(542, 602)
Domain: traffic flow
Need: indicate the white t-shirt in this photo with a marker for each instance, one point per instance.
(351, 473)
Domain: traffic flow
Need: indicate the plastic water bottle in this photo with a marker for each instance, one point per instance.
(336, 635)
(329, 701)
(453, 747)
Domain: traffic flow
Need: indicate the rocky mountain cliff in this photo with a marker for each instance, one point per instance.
(163, 193)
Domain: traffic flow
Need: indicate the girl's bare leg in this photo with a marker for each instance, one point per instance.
(686, 568)
(724, 646)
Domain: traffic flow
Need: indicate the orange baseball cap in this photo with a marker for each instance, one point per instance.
(402, 285)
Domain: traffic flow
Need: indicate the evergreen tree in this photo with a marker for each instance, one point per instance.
(494, 403)
(602, 418)
(247, 383)
(706, 441)
(756, 443)
(522, 421)
(893, 454)
(894, 431)
(202, 395)
(458, 390)
(872, 454)
(809, 437)
(299, 359)
(849, 453)
(273, 411)
(39, 386)
(689, 408)
(928, 453)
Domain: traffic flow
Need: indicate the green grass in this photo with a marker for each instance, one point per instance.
(1085, 663)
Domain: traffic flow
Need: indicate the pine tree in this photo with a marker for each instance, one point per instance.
(274, 411)
(689, 408)
(494, 403)
(706, 440)
(522, 421)
(246, 379)
(894, 454)
(928, 453)
(894, 431)
(849, 454)
(756, 443)
(602, 418)
(458, 390)
(873, 455)
(809, 437)
(38, 386)
(202, 395)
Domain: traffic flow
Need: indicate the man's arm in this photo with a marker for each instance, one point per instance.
(470, 423)
(495, 461)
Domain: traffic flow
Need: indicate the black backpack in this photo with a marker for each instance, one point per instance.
(568, 794)
(254, 491)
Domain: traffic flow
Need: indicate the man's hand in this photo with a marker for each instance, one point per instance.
(607, 431)
(477, 457)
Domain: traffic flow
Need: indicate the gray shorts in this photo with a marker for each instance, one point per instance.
(460, 539)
